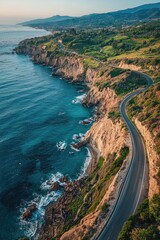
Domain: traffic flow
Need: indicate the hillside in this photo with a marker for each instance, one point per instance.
(126, 17)
(139, 46)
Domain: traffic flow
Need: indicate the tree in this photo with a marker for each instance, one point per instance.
(126, 230)
(115, 44)
(155, 207)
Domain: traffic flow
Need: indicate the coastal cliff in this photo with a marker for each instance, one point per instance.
(81, 209)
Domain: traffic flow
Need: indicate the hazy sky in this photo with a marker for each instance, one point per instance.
(14, 11)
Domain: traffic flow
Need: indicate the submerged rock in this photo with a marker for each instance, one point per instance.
(78, 145)
(55, 187)
(86, 122)
(30, 210)
(64, 179)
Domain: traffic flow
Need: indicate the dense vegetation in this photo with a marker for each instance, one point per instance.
(146, 107)
(130, 83)
(122, 81)
(145, 223)
(142, 41)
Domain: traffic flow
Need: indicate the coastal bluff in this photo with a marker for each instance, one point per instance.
(84, 204)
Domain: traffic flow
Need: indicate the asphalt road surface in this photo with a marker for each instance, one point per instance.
(132, 190)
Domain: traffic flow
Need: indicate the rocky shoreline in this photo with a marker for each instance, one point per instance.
(82, 203)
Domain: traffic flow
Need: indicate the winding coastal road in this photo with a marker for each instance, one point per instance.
(132, 189)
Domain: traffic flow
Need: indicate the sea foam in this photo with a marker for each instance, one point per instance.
(86, 164)
(42, 201)
(79, 99)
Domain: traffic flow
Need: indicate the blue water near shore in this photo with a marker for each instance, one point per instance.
(36, 113)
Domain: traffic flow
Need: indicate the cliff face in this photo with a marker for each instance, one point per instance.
(107, 138)
(129, 66)
(105, 135)
(153, 159)
(69, 67)
(138, 65)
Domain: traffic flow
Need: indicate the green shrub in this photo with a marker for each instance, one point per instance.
(149, 233)
(116, 72)
(132, 82)
(105, 207)
(126, 230)
(114, 115)
(101, 161)
(77, 203)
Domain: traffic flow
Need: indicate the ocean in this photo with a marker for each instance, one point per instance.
(40, 116)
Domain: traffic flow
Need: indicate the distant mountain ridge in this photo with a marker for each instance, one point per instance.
(56, 18)
(142, 7)
(118, 18)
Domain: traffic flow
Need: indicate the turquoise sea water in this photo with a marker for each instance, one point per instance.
(37, 112)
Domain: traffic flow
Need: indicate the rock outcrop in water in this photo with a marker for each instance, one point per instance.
(29, 211)
(81, 208)
(55, 187)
